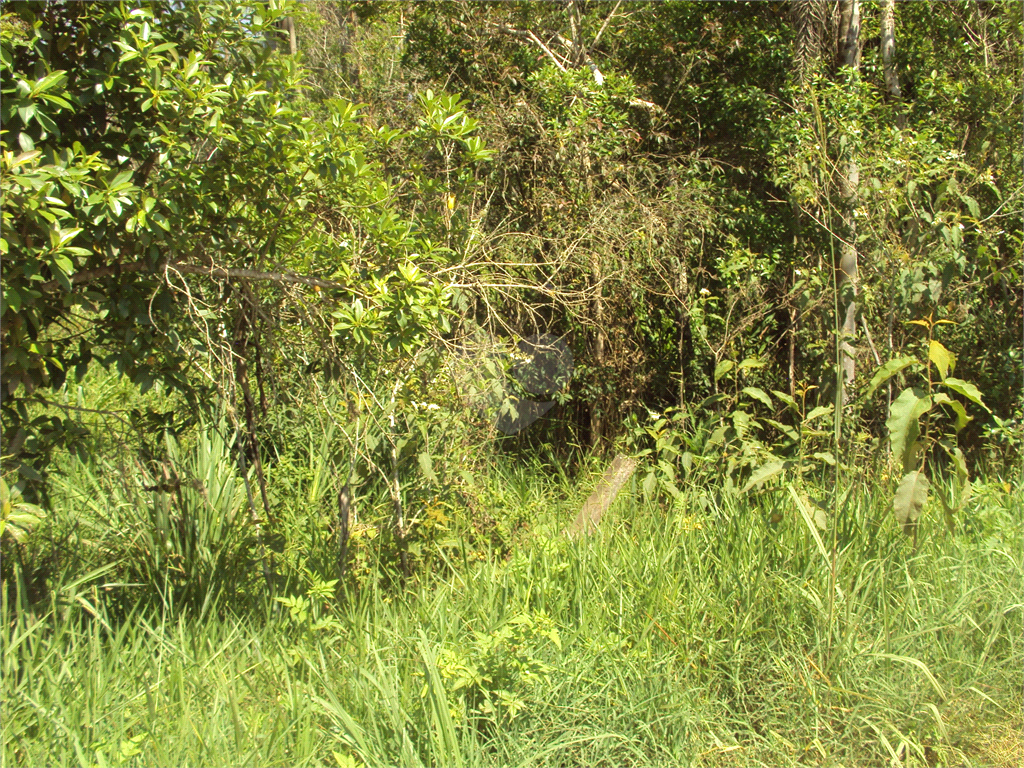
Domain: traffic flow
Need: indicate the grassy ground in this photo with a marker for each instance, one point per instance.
(706, 635)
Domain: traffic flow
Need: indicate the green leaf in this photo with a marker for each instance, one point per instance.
(12, 299)
(910, 499)
(764, 473)
(958, 459)
(886, 372)
(961, 413)
(942, 357)
(718, 436)
(427, 466)
(65, 236)
(814, 517)
(785, 429)
(758, 394)
(789, 401)
(966, 389)
(649, 484)
(902, 423)
(120, 181)
(723, 368)
(821, 410)
(960, 462)
(947, 512)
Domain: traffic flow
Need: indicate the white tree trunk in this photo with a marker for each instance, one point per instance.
(892, 83)
(847, 268)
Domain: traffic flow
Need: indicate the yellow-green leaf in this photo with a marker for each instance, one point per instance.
(943, 359)
(911, 496)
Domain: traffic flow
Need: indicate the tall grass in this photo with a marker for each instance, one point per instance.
(694, 636)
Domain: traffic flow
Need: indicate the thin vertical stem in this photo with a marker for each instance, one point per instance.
(837, 426)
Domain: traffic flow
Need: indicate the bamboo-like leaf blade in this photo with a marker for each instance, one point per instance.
(789, 401)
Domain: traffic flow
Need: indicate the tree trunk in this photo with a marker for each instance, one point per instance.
(344, 528)
(395, 488)
(597, 405)
(892, 83)
(287, 24)
(814, 24)
(684, 322)
(847, 268)
(849, 34)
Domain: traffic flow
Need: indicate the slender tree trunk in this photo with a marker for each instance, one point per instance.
(240, 350)
(847, 268)
(597, 405)
(395, 488)
(684, 322)
(791, 311)
(344, 525)
(287, 25)
(242, 330)
(849, 34)
(892, 83)
(847, 273)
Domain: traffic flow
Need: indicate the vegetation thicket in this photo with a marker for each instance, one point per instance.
(320, 320)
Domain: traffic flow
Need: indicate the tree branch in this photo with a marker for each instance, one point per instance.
(529, 35)
(597, 37)
(91, 275)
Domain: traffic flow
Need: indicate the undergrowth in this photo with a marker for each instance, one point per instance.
(698, 634)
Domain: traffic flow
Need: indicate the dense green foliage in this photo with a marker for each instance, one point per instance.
(319, 319)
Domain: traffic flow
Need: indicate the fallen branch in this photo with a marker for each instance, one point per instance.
(618, 472)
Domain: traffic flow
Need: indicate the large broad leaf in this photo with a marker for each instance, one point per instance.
(821, 410)
(910, 499)
(723, 368)
(958, 458)
(966, 389)
(785, 429)
(426, 463)
(789, 401)
(961, 413)
(942, 357)
(758, 394)
(886, 372)
(764, 473)
(717, 437)
(650, 484)
(902, 423)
